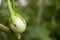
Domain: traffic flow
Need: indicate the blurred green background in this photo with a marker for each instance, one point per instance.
(42, 18)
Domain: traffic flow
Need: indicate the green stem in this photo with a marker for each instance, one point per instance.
(5, 29)
(10, 7)
(39, 16)
(13, 4)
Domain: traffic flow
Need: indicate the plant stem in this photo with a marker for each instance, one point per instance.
(10, 7)
(5, 29)
(13, 5)
(41, 6)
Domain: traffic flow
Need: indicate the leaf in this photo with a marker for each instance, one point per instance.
(37, 33)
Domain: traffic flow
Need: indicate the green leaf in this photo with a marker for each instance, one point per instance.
(37, 33)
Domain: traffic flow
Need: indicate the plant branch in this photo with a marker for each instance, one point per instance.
(5, 29)
(41, 6)
(13, 5)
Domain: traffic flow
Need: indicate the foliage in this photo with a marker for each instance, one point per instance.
(48, 27)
